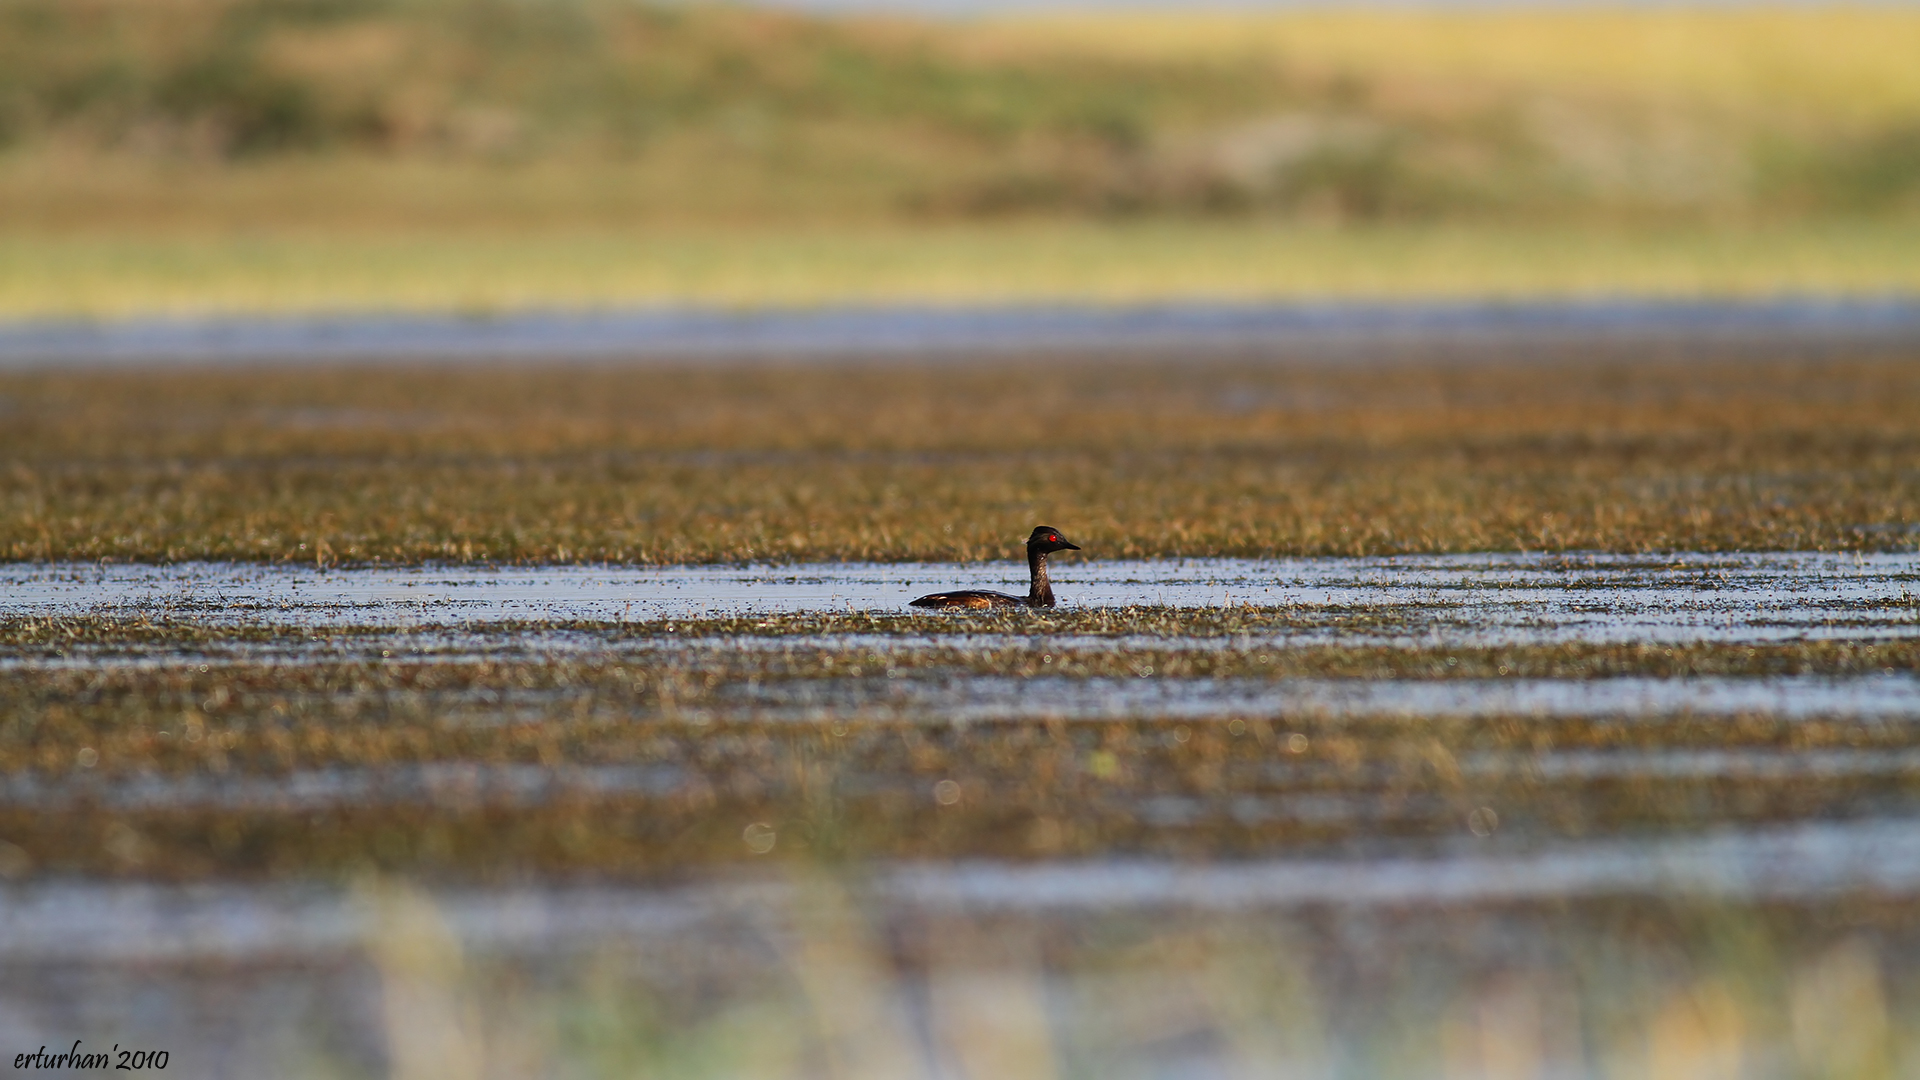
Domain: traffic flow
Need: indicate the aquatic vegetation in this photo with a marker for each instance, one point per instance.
(643, 748)
(815, 462)
(236, 734)
(1658, 786)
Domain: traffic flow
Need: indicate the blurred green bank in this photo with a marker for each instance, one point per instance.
(194, 155)
(106, 276)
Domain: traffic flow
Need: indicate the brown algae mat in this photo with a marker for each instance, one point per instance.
(1176, 456)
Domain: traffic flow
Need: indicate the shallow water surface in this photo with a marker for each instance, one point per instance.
(449, 615)
(959, 333)
(1460, 599)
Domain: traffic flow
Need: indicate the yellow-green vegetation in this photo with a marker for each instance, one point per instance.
(1722, 108)
(249, 155)
(711, 109)
(1136, 457)
(1011, 263)
(1848, 63)
(660, 111)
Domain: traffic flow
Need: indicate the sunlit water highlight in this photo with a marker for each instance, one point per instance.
(1450, 599)
(1447, 601)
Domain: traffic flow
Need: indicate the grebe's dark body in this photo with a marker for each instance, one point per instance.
(1045, 541)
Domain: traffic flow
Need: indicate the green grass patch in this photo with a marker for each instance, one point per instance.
(292, 271)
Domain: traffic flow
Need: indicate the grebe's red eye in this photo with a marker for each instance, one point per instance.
(1053, 539)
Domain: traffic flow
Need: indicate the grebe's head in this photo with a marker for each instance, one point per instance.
(1046, 538)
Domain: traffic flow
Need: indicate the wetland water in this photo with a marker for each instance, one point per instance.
(1431, 601)
(1571, 815)
(892, 331)
(1456, 599)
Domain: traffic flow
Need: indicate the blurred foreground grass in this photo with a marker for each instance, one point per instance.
(1618, 988)
(1545, 449)
(44, 276)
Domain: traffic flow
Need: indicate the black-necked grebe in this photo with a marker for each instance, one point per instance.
(1044, 541)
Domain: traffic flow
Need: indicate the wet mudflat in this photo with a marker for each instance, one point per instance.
(1381, 816)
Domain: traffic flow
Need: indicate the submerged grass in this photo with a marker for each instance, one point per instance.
(1608, 450)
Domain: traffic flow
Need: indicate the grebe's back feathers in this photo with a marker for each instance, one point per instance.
(1043, 541)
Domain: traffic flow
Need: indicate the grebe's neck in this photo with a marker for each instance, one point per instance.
(1040, 591)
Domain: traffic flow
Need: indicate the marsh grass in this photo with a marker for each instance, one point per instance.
(681, 712)
(856, 791)
(772, 462)
(1136, 457)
